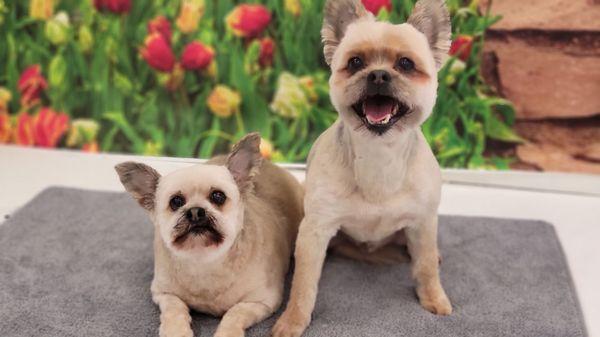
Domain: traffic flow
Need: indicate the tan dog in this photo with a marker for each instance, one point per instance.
(372, 174)
(224, 233)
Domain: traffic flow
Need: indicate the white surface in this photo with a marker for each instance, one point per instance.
(26, 172)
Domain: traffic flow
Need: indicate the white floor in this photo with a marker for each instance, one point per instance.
(570, 202)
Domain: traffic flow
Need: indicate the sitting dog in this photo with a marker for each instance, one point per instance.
(224, 233)
(372, 175)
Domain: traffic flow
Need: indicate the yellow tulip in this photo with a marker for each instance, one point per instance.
(223, 101)
(41, 9)
(189, 16)
(293, 7)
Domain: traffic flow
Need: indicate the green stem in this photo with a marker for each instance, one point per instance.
(240, 122)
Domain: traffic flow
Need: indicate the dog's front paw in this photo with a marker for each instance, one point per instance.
(290, 324)
(434, 299)
(176, 329)
(229, 333)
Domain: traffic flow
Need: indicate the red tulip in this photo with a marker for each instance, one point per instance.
(461, 47)
(49, 126)
(115, 6)
(160, 25)
(24, 133)
(374, 6)
(248, 20)
(5, 127)
(158, 53)
(267, 49)
(196, 56)
(31, 84)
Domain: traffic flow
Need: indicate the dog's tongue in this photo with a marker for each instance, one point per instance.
(377, 109)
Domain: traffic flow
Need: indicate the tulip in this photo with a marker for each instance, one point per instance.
(248, 20)
(266, 148)
(196, 56)
(461, 47)
(57, 29)
(175, 78)
(82, 131)
(5, 127)
(223, 101)
(290, 99)
(267, 49)
(189, 16)
(90, 147)
(374, 6)
(153, 149)
(5, 98)
(292, 7)
(49, 126)
(31, 84)
(114, 6)
(24, 133)
(158, 53)
(308, 84)
(86, 39)
(41, 9)
(160, 25)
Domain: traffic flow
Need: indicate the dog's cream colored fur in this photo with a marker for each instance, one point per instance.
(241, 278)
(370, 186)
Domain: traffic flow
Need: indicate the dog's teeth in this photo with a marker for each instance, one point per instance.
(386, 119)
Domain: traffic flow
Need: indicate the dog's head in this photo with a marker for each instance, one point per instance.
(198, 210)
(384, 76)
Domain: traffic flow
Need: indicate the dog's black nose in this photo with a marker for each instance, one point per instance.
(195, 214)
(379, 77)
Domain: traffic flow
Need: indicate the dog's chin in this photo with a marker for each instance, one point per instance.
(379, 113)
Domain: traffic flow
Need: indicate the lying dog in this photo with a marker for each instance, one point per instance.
(372, 175)
(224, 233)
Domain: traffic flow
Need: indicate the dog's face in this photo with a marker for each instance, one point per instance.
(198, 210)
(384, 76)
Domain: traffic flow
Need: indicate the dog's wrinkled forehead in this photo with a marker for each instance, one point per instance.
(197, 180)
(384, 42)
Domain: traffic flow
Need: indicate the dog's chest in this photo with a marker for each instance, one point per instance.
(374, 223)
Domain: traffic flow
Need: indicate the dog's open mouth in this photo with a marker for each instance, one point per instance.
(380, 112)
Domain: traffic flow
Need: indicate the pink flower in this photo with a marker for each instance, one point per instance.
(461, 47)
(248, 20)
(114, 6)
(158, 53)
(374, 6)
(31, 84)
(160, 25)
(196, 56)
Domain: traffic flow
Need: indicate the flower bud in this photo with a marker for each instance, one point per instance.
(248, 20)
(223, 101)
(158, 53)
(196, 56)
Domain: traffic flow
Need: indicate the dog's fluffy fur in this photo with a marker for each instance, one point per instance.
(226, 258)
(372, 175)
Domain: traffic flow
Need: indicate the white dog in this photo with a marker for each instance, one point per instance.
(372, 175)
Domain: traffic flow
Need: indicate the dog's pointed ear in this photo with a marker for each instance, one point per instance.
(140, 181)
(244, 160)
(338, 14)
(431, 18)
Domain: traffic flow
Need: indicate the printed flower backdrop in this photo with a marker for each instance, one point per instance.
(188, 78)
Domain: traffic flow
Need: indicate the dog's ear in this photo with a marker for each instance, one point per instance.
(140, 181)
(338, 15)
(431, 18)
(244, 160)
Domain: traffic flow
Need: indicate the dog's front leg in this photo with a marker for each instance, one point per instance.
(311, 248)
(242, 316)
(174, 316)
(422, 245)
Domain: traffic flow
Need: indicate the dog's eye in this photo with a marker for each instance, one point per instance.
(217, 197)
(405, 64)
(176, 202)
(355, 64)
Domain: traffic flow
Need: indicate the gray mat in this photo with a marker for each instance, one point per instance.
(79, 263)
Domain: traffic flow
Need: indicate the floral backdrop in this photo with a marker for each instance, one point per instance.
(188, 78)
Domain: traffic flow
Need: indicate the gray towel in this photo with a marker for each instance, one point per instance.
(79, 263)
